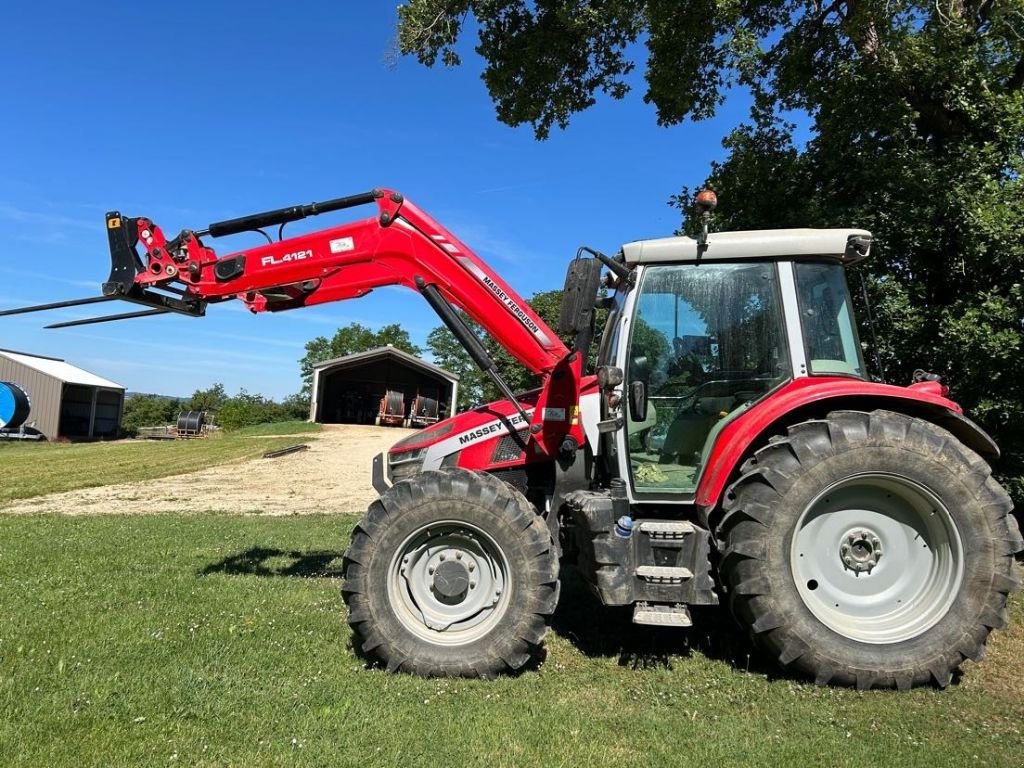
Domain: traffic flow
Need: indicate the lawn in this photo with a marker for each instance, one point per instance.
(163, 640)
(36, 468)
(279, 428)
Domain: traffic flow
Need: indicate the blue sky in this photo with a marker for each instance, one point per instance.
(198, 112)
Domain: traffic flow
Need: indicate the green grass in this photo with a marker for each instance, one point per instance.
(38, 468)
(278, 428)
(167, 640)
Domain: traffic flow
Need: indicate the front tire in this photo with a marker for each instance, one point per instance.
(451, 574)
(872, 550)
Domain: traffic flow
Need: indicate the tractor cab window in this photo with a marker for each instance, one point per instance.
(830, 333)
(707, 341)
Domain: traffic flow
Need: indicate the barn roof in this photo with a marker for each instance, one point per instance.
(59, 369)
(393, 352)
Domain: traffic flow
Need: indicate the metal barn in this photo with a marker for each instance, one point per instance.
(348, 390)
(66, 400)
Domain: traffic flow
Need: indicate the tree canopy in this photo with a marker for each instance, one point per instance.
(917, 134)
(474, 386)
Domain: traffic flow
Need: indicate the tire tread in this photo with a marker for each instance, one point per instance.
(748, 509)
(505, 652)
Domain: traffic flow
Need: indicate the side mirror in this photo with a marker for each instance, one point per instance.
(609, 377)
(581, 283)
(638, 401)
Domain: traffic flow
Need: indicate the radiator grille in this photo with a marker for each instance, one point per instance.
(510, 447)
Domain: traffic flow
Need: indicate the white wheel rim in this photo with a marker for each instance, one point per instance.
(877, 558)
(449, 583)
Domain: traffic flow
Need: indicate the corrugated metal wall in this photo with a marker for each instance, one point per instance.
(44, 392)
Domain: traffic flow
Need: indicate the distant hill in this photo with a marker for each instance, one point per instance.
(161, 397)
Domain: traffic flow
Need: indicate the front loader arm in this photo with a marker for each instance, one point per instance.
(402, 245)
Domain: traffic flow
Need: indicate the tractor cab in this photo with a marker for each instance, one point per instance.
(705, 329)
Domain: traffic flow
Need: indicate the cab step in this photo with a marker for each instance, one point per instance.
(666, 530)
(663, 574)
(677, 615)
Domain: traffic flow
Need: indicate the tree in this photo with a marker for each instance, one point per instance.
(212, 399)
(917, 119)
(348, 340)
(449, 354)
(474, 386)
(296, 406)
(547, 304)
(246, 409)
(148, 411)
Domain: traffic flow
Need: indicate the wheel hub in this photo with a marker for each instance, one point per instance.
(449, 582)
(900, 558)
(451, 579)
(860, 550)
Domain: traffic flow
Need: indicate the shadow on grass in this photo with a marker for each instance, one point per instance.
(597, 631)
(268, 561)
(601, 632)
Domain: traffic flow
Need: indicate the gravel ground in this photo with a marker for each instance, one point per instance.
(332, 476)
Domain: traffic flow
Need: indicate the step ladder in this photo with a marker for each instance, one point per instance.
(663, 574)
(666, 530)
(677, 615)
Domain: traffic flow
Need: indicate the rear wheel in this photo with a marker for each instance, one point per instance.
(869, 549)
(451, 574)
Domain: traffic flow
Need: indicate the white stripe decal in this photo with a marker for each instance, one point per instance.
(438, 451)
(507, 300)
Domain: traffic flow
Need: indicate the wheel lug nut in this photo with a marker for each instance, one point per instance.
(472, 585)
(497, 592)
(458, 555)
(442, 557)
(472, 566)
(430, 569)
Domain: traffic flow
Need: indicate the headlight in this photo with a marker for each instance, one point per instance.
(402, 466)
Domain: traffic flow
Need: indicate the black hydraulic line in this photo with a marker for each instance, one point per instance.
(284, 215)
(618, 268)
(57, 305)
(109, 318)
(871, 325)
(468, 340)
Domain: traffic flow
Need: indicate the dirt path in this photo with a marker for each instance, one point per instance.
(332, 476)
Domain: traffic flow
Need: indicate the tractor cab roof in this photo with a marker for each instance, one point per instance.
(845, 246)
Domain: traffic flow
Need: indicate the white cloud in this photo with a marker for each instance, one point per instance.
(9, 212)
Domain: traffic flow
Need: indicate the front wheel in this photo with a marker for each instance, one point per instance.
(451, 574)
(869, 549)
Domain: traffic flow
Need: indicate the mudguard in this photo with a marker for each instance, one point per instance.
(812, 397)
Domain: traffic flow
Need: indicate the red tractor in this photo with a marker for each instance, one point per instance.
(730, 447)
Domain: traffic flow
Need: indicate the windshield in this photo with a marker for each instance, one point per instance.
(707, 340)
(830, 333)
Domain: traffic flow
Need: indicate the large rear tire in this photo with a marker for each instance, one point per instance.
(451, 574)
(869, 549)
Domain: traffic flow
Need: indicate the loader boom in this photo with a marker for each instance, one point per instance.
(401, 245)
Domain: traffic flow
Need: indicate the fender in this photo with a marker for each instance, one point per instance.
(813, 397)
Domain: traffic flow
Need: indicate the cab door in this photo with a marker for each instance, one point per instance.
(703, 343)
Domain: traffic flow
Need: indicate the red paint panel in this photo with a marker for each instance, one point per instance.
(737, 436)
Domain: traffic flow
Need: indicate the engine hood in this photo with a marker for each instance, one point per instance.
(466, 429)
(489, 437)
